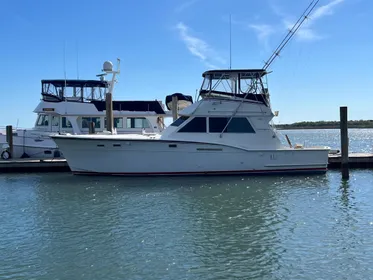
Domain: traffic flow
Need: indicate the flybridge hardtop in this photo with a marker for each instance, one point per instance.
(220, 73)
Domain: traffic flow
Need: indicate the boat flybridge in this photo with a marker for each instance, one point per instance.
(226, 131)
(71, 106)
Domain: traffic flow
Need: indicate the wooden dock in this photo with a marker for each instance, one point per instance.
(356, 160)
(31, 165)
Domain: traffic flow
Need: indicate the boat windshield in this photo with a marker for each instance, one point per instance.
(233, 81)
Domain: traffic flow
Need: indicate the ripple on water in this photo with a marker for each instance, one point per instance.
(59, 226)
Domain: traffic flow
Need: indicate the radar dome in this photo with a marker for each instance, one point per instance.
(108, 66)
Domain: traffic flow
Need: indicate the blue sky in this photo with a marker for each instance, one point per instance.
(165, 45)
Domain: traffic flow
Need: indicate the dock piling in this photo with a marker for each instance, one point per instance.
(344, 142)
(9, 139)
(109, 112)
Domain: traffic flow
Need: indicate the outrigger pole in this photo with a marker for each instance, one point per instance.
(291, 33)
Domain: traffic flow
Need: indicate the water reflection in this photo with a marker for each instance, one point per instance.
(73, 227)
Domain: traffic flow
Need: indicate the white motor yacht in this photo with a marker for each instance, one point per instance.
(226, 131)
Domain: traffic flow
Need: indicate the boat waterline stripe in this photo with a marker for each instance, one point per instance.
(293, 170)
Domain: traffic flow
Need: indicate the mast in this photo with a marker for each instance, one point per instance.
(230, 41)
(108, 69)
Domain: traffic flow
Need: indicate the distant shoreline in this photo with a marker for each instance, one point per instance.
(315, 127)
(361, 124)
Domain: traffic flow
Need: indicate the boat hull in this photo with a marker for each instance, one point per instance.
(166, 158)
(33, 147)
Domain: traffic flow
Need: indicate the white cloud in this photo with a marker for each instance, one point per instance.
(199, 47)
(264, 31)
(305, 32)
(325, 9)
(185, 5)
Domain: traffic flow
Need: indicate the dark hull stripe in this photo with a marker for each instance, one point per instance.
(238, 172)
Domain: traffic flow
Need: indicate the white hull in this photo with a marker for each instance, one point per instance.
(41, 146)
(34, 144)
(161, 157)
(36, 152)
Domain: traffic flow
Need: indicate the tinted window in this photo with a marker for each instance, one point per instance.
(197, 124)
(138, 123)
(179, 121)
(118, 122)
(43, 120)
(66, 123)
(217, 124)
(236, 125)
(87, 120)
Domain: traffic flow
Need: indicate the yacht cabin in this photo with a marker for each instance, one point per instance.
(69, 106)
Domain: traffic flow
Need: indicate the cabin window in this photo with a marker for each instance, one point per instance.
(43, 120)
(65, 123)
(137, 123)
(55, 120)
(87, 120)
(206, 85)
(198, 124)
(118, 122)
(179, 121)
(236, 125)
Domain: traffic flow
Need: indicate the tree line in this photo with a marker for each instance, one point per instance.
(326, 124)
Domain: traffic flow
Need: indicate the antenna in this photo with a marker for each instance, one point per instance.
(77, 60)
(291, 33)
(230, 41)
(64, 62)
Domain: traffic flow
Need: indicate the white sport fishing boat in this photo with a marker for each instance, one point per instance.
(69, 106)
(227, 131)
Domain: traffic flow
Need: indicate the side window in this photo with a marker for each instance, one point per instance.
(118, 122)
(179, 121)
(236, 125)
(198, 124)
(65, 123)
(40, 120)
(43, 120)
(87, 120)
(216, 125)
(240, 125)
(55, 120)
(137, 123)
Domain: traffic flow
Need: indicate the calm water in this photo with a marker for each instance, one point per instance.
(60, 226)
(361, 140)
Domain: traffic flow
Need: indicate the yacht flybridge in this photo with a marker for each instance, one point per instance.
(227, 131)
(69, 106)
